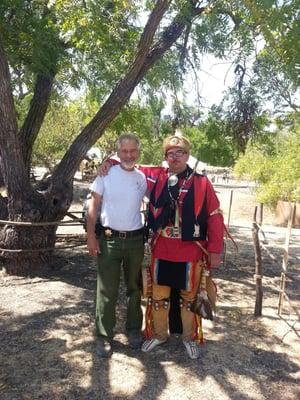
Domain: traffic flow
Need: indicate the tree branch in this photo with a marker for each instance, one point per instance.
(11, 163)
(170, 35)
(35, 117)
(184, 50)
(151, 26)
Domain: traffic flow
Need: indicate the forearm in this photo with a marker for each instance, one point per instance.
(92, 242)
(91, 222)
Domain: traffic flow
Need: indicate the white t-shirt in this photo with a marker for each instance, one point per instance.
(122, 193)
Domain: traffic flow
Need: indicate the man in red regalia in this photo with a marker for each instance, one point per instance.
(187, 226)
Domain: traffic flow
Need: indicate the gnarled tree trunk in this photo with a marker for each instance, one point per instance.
(29, 241)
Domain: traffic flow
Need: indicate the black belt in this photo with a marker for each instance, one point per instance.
(108, 232)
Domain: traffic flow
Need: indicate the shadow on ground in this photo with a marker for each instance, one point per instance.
(48, 343)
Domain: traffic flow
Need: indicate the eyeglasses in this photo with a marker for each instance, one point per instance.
(177, 153)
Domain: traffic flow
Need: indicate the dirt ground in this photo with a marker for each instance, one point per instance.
(47, 329)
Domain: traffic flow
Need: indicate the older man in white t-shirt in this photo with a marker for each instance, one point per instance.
(119, 244)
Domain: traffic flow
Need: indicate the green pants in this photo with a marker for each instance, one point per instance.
(117, 253)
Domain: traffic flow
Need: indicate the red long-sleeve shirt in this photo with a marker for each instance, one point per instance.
(175, 249)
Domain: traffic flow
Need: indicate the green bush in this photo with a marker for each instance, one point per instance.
(275, 169)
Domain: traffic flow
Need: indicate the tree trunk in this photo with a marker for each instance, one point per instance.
(25, 247)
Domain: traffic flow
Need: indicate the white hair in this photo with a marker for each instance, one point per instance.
(128, 136)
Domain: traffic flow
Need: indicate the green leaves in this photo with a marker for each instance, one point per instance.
(91, 42)
(275, 168)
(88, 45)
(61, 125)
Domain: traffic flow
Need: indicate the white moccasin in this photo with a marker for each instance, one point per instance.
(192, 348)
(150, 344)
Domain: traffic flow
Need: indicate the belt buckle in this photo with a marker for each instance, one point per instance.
(172, 232)
(108, 232)
(122, 235)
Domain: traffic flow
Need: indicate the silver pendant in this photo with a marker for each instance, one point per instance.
(196, 231)
(172, 181)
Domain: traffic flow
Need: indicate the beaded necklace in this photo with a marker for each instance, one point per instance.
(172, 181)
(175, 202)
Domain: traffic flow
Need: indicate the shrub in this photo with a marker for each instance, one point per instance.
(275, 170)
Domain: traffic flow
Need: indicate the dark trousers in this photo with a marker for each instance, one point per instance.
(117, 253)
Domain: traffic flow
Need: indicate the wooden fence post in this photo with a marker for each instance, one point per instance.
(286, 256)
(258, 265)
(228, 222)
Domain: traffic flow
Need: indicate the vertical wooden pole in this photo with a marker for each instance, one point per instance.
(229, 210)
(228, 222)
(286, 256)
(258, 266)
(260, 214)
